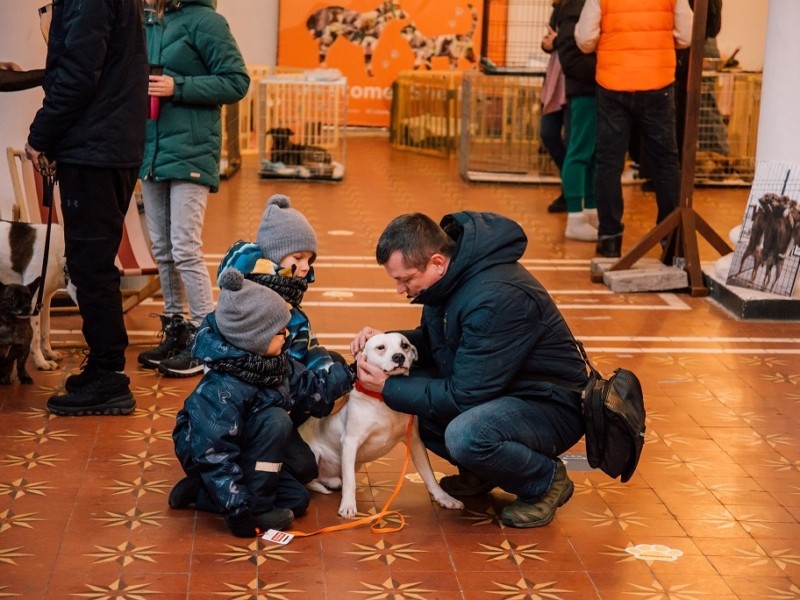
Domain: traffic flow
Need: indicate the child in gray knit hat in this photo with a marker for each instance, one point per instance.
(281, 259)
(233, 433)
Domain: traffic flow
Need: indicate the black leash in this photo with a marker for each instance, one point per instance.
(48, 173)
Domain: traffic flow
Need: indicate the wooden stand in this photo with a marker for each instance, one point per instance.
(680, 228)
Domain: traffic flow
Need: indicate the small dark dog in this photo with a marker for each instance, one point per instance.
(16, 332)
(287, 152)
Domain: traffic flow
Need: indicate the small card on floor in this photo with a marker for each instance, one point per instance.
(277, 537)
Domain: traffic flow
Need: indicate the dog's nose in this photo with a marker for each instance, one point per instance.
(399, 359)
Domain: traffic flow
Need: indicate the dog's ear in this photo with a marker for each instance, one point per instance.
(412, 353)
(34, 285)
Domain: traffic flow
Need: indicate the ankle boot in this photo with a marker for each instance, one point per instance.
(173, 341)
(578, 228)
(609, 246)
(182, 364)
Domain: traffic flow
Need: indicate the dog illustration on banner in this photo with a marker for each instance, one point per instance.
(451, 46)
(767, 256)
(363, 29)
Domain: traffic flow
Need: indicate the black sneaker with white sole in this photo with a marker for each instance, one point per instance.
(174, 335)
(105, 393)
(183, 364)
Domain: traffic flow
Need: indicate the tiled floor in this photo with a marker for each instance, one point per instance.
(712, 511)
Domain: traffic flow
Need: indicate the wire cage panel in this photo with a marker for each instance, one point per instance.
(303, 123)
(512, 36)
(500, 130)
(426, 112)
(727, 128)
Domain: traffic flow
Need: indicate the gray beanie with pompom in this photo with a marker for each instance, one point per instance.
(249, 315)
(284, 230)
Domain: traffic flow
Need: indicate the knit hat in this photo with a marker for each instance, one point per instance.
(249, 315)
(284, 230)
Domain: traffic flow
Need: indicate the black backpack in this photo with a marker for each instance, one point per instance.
(614, 415)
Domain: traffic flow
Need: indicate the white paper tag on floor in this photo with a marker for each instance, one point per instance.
(277, 537)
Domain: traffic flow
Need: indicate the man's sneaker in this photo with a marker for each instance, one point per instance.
(183, 364)
(184, 493)
(106, 393)
(78, 380)
(541, 512)
(277, 518)
(174, 336)
(465, 484)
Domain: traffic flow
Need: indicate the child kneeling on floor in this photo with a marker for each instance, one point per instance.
(232, 433)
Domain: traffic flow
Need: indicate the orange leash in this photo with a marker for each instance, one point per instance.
(383, 512)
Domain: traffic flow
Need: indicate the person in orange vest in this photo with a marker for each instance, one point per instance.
(635, 44)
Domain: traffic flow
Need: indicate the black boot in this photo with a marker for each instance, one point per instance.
(173, 340)
(74, 382)
(183, 364)
(609, 246)
(106, 393)
(184, 493)
(559, 205)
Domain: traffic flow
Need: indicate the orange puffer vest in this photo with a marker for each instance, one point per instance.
(636, 50)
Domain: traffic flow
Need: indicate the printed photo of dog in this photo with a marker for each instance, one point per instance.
(361, 28)
(365, 429)
(21, 254)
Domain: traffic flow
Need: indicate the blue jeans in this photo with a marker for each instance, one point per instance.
(509, 442)
(175, 211)
(654, 114)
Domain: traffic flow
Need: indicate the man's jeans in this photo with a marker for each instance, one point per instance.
(508, 442)
(654, 113)
(175, 211)
(94, 202)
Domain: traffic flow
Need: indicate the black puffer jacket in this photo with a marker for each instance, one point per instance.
(579, 68)
(95, 104)
(488, 329)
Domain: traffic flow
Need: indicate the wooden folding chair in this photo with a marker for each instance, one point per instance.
(133, 257)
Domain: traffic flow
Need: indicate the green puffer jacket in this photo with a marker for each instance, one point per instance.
(195, 46)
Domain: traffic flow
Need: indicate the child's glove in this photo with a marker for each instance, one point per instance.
(242, 524)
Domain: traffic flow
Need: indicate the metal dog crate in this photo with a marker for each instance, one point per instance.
(511, 36)
(730, 102)
(302, 127)
(426, 111)
(500, 141)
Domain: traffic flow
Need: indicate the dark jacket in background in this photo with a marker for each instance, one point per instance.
(579, 68)
(95, 85)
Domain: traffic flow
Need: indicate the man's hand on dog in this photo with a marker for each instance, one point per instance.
(371, 377)
(358, 343)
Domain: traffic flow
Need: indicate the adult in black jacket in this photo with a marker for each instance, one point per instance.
(495, 388)
(92, 124)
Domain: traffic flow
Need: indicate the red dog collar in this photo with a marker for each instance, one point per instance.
(370, 393)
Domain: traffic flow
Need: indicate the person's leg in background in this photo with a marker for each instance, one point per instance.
(655, 113)
(613, 134)
(93, 203)
(174, 334)
(578, 169)
(553, 134)
(187, 204)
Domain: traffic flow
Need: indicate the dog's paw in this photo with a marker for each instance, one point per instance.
(5, 380)
(26, 379)
(51, 354)
(332, 483)
(448, 501)
(347, 510)
(43, 364)
(316, 486)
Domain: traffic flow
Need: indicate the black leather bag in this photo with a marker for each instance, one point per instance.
(614, 416)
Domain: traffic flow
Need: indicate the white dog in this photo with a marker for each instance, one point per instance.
(366, 429)
(21, 252)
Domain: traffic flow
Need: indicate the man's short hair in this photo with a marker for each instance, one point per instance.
(417, 237)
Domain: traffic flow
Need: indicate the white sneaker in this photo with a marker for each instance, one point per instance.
(591, 216)
(578, 228)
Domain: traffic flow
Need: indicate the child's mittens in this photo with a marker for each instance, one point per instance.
(242, 523)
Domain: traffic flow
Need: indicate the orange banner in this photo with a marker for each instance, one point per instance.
(371, 41)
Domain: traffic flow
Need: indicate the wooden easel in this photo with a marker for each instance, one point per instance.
(680, 228)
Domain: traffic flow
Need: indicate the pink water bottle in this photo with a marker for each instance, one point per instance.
(155, 101)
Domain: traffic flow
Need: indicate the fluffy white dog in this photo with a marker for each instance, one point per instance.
(366, 429)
